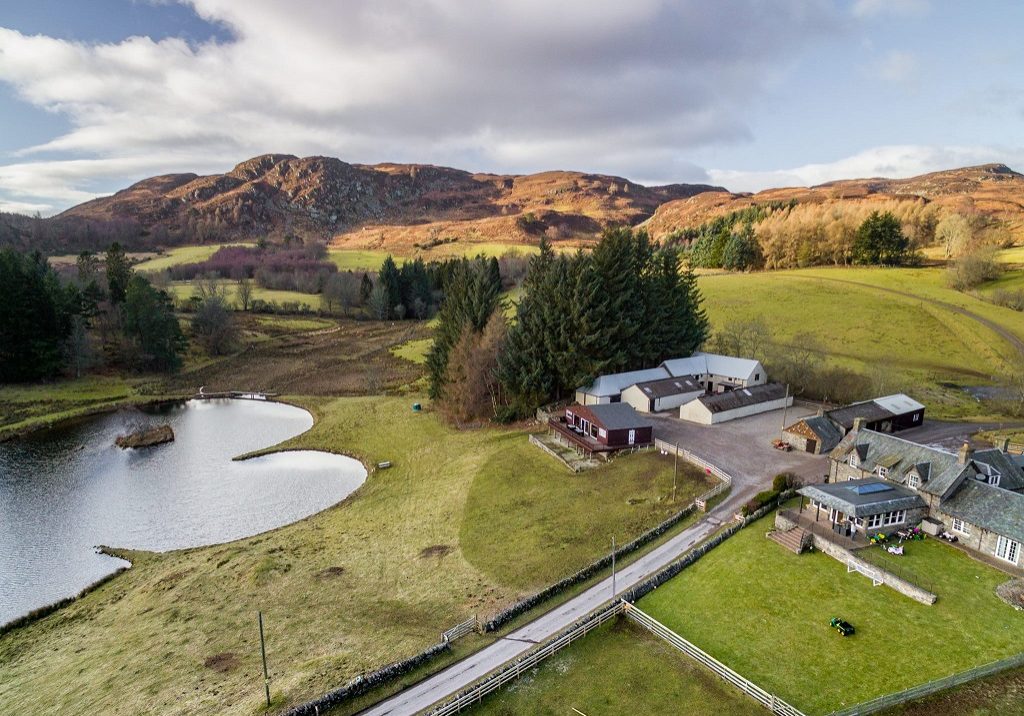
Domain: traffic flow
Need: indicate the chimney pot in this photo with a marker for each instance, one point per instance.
(965, 453)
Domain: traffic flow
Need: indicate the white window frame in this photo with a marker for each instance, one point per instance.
(993, 479)
(874, 521)
(960, 526)
(854, 459)
(1008, 550)
(882, 472)
(895, 518)
(913, 481)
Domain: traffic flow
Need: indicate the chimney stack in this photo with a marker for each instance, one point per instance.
(858, 424)
(965, 453)
(1005, 446)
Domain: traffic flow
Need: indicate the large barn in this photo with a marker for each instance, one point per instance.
(711, 372)
(653, 396)
(740, 403)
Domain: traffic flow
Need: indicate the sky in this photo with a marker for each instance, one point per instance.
(745, 94)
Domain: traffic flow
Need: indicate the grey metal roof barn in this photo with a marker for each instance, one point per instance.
(668, 386)
(742, 397)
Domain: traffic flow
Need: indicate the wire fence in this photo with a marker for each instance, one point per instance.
(932, 687)
(765, 698)
(724, 478)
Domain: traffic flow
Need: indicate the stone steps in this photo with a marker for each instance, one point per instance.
(795, 539)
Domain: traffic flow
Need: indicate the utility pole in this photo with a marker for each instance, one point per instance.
(263, 650)
(613, 566)
(785, 410)
(675, 474)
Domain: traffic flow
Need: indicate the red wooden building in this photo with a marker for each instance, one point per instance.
(605, 427)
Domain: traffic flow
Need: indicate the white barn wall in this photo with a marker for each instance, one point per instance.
(696, 412)
(641, 401)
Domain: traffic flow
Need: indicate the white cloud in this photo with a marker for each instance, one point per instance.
(515, 85)
(898, 67)
(895, 161)
(905, 8)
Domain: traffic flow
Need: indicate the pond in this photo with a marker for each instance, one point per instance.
(65, 491)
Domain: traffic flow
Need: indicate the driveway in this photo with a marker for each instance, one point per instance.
(951, 435)
(742, 448)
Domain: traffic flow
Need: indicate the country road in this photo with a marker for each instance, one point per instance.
(446, 683)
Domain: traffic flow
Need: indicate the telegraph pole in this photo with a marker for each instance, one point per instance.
(613, 566)
(263, 650)
(785, 410)
(675, 474)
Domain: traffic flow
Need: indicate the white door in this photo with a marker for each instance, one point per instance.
(1007, 549)
(632, 437)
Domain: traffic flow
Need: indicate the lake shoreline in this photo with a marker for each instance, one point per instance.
(64, 422)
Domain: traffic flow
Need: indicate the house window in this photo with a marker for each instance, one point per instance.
(993, 479)
(874, 521)
(896, 518)
(960, 526)
(882, 471)
(913, 481)
(757, 376)
(854, 460)
(1008, 549)
(917, 417)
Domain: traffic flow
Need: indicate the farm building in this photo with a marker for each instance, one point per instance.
(975, 495)
(602, 428)
(666, 394)
(713, 373)
(817, 435)
(888, 415)
(739, 403)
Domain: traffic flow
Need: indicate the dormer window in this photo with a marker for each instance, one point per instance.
(854, 460)
(988, 474)
(913, 481)
(882, 471)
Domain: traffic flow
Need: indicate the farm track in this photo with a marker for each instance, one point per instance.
(1009, 336)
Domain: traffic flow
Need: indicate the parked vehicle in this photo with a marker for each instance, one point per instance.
(843, 627)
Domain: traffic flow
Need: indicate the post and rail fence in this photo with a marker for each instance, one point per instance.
(725, 479)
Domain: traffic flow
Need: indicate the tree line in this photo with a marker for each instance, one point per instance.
(112, 316)
(626, 305)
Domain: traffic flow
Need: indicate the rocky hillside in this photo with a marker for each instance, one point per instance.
(993, 190)
(383, 204)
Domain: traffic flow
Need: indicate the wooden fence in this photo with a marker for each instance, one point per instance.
(470, 625)
(766, 699)
(512, 670)
(725, 479)
(932, 687)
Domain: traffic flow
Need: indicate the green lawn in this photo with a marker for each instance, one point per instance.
(25, 406)
(365, 583)
(184, 255)
(1013, 255)
(764, 612)
(524, 507)
(618, 669)
(925, 348)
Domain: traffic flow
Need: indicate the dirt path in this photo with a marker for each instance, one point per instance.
(1009, 336)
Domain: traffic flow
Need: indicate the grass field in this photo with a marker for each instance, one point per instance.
(183, 255)
(994, 696)
(771, 622)
(414, 351)
(182, 290)
(359, 585)
(1013, 255)
(920, 341)
(618, 669)
(26, 406)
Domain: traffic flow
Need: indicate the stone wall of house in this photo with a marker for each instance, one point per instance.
(980, 539)
(798, 441)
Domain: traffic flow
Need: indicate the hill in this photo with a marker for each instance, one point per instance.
(374, 205)
(990, 191)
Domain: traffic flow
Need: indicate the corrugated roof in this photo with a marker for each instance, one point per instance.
(714, 363)
(899, 404)
(615, 383)
(668, 386)
(742, 397)
(989, 507)
(873, 410)
(864, 497)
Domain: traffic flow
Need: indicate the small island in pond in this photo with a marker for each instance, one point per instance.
(146, 437)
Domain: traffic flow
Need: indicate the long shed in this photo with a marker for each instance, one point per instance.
(666, 394)
(739, 403)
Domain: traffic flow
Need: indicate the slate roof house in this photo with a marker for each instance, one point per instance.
(711, 372)
(974, 494)
(665, 394)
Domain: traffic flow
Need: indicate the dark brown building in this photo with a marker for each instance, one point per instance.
(612, 425)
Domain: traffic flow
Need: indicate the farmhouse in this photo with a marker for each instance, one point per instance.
(722, 407)
(665, 394)
(867, 505)
(604, 428)
(711, 372)
(974, 494)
